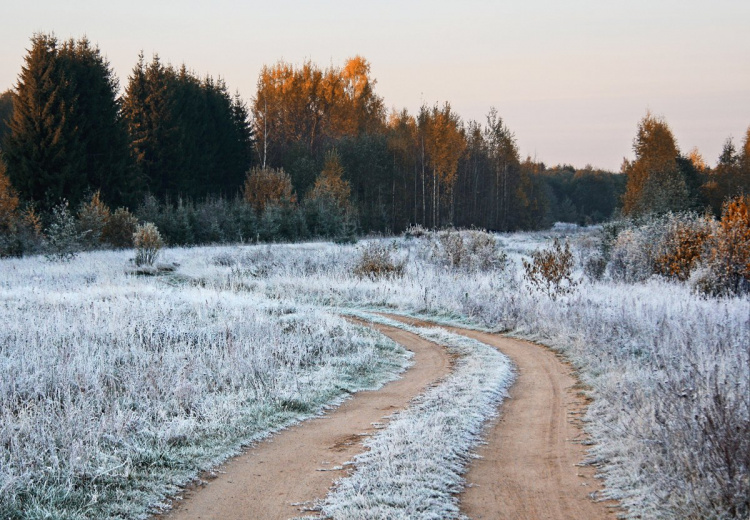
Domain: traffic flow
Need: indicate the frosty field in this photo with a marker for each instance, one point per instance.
(116, 388)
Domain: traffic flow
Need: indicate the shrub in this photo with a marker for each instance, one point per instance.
(240, 225)
(630, 257)
(670, 245)
(681, 245)
(325, 217)
(415, 231)
(25, 237)
(727, 259)
(551, 270)
(119, 229)
(92, 218)
(468, 249)
(147, 242)
(269, 225)
(265, 186)
(610, 232)
(376, 261)
(594, 267)
(205, 221)
(63, 238)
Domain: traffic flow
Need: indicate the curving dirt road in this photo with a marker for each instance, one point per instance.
(276, 478)
(529, 467)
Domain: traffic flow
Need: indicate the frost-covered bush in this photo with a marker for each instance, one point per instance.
(378, 260)
(594, 267)
(465, 249)
(92, 218)
(63, 240)
(727, 259)
(147, 242)
(119, 229)
(551, 270)
(679, 244)
(631, 259)
(713, 256)
(415, 231)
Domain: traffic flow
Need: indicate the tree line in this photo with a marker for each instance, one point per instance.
(315, 152)
(661, 179)
(69, 132)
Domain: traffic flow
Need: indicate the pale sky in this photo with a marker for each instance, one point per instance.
(570, 78)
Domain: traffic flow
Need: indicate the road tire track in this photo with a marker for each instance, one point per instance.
(530, 467)
(273, 478)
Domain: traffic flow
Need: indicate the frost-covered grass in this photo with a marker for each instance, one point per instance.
(115, 389)
(669, 371)
(413, 468)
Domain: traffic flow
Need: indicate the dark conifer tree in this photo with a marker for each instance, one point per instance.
(6, 114)
(189, 137)
(43, 153)
(244, 133)
(102, 132)
(66, 133)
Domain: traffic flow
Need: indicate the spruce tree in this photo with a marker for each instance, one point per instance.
(189, 137)
(6, 114)
(66, 133)
(43, 152)
(102, 131)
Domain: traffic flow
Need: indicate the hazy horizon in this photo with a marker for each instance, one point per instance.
(571, 81)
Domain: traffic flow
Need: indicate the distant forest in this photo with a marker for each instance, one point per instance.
(314, 153)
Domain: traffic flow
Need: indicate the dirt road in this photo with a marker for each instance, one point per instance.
(529, 467)
(270, 478)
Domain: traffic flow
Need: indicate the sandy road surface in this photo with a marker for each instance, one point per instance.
(529, 466)
(267, 480)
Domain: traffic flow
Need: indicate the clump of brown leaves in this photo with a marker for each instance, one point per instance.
(377, 261)
(551, 270)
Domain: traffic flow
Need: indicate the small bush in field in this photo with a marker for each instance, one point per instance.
(594, 267)
(631, 259)
(119, 229)
(551, 270)
(727, 259)
(63, 238)
(681, 246)
(469, 250)
(415, 231)
(376, 261)
(147, 242)
(92, 218)
(25, 238)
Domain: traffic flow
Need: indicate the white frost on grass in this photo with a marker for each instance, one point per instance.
(115, 389)
(413, 468)
(669, 370)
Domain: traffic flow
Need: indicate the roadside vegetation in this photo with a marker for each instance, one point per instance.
(667, 365)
